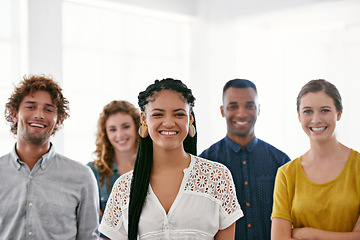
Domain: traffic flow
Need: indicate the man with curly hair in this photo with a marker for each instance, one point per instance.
(43, 194)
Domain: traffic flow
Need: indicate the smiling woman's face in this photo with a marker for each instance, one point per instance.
(167, 116)
(318, 115)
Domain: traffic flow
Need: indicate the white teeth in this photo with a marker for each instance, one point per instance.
(123, 141)
(318, 129)
(168, 133)
(37, 125)
(241, 123)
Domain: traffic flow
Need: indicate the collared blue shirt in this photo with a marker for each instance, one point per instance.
(104, 189)
(57, 199)
(253, 168)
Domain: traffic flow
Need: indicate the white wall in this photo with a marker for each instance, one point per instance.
(280, 45)
(279, 50)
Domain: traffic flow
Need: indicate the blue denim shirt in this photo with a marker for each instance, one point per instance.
(253, 168)
(57, 199)
(104, 189)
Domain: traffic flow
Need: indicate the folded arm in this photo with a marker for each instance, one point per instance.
(281, 229)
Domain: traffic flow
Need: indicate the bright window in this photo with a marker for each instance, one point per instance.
(11, 61)
(112, 52)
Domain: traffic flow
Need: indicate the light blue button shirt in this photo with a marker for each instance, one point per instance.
(57, 199)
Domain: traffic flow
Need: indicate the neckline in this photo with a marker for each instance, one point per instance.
(180, 192)
(332, 180)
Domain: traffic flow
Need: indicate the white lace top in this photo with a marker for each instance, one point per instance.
(206, 203)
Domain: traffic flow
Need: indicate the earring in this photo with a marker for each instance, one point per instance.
(192, 130)
(143, 131)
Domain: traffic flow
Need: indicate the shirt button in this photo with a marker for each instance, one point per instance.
(249, 225)
(246, 183)
(30, 204)
(30, 233)
(244, 162)
(248, 204)
(31, 177)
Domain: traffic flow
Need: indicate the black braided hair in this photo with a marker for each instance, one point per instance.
(144, 159)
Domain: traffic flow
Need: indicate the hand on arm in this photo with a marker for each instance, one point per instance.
(357, 226)
(226, 234)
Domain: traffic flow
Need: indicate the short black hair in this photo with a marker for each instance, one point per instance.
(239, 83)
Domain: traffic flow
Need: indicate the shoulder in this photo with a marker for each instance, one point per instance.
(270, 147)
(213, 150)
(355, 154)
(290, 167)
(65, 164)
(91, 165)
(120, 192)
(6, 164)
(206, 164)
(208, 174)
(213, 180)
(123, 183)
(5, 159)
(355, 158)
(273, 151)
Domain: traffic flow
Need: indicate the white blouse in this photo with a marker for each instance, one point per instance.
(206, 203)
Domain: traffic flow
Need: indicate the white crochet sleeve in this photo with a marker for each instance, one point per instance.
(215, 179)
(114, 224)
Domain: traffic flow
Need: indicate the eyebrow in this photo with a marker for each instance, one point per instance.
(232, 103)
(162, 110)
(306, 107)
(237, 102)
(47, 104)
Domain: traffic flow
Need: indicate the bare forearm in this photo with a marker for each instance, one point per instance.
(281, 229)
(307, 233)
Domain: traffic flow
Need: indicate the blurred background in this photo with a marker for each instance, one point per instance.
(101, 51)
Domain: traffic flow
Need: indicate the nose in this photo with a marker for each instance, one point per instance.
(119, 133)
(39, 113)
(241, 112)
(316, 118)
(168, 122)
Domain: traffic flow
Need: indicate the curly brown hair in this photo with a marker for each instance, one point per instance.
(29, 85)
(104, 153)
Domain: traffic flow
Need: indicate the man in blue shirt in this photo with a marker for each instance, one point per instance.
(252, 162)
(43, 195)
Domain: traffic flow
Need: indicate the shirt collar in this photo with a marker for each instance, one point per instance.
(114, 166)
(237, 147)
(44, 161)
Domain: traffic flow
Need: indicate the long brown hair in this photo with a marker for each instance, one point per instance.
(104, 153)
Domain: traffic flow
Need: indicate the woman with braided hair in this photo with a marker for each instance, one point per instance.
(171, 193)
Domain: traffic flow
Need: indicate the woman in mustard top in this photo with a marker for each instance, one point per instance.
(317, 196)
